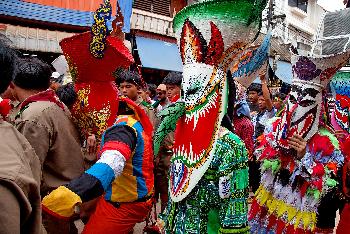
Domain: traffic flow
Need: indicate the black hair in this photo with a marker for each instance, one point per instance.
(130, 77)
(152, 89)
(66, 93)
(8, 59)
(32, 74)
(173, 78)
(285, 88)
(228, 117)
(281, 96)
(255, 87)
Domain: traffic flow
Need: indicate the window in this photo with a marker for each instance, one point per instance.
(160, 7)
(301, 4)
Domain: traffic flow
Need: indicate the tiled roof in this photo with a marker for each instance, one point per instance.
(82, 5)
(32, 11)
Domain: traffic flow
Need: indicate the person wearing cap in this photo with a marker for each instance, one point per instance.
(162, 99)
(172, 83)
(55, 81)
(20, 172)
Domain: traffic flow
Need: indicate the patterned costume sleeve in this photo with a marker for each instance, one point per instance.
(234, 179)
(118, 143)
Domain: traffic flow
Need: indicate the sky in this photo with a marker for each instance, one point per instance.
(331, 5)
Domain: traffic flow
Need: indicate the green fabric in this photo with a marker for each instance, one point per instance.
(275, 165)
(213, 221)
(332, 138)
(196, 213)
(233, 231)
(169, 117)
(228, 11)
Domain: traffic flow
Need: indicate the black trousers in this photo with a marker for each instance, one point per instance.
(254, 175)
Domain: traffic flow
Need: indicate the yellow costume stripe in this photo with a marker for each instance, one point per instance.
(278, 208)
(61, 202)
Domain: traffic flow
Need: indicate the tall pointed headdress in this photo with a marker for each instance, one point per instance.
(211, 36)
(93, 57)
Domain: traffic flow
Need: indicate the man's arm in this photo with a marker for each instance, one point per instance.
(265, 90)
(10, 215)
(119, 143)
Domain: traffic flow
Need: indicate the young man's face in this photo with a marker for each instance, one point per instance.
(129, 90)
(172, 90)
(253, 96)
(144, 94)
(261, 103)
(161, 95)
(277, 103)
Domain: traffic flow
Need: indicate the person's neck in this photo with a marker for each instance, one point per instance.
(163, 102)
(24, 94)
(262, 110)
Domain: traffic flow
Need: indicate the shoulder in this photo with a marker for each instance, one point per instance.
(147, 105)
(228, 137)
(42, 109)
(18, 159)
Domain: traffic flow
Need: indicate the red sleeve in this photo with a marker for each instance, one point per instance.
(5, 107)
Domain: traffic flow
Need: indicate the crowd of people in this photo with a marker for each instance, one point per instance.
(216, 152)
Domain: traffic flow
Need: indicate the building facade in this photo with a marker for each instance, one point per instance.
(37, 26)
(295, 21)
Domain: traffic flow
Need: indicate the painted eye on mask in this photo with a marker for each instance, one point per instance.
(306, 103)
(292, 99)
(192, 91)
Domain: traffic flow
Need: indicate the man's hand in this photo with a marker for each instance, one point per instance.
(299, 144)
(91, 144)
(262, 75)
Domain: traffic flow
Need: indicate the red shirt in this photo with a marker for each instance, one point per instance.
(244, 128)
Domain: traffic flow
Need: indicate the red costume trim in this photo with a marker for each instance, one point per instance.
(47, 95)
(140, 115)
(123, 148)
(50, 212)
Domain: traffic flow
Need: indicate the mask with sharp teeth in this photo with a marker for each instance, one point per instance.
(302, 114)
(341, 91)
(208, 47)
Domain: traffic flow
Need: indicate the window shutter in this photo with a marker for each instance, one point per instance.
(160, 7)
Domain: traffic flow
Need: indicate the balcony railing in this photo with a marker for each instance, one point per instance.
(149, 22)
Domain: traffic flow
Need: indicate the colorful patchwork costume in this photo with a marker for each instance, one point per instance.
(340, 120)
(208, 181)
(123, 175)
(295, 195)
